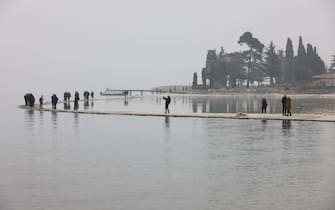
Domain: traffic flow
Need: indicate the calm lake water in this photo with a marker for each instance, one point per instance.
(213, 104)
(77, 161)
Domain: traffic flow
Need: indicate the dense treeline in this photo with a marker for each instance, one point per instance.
(259, 63)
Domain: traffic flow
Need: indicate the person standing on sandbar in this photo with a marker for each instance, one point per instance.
(283, 102)
(167, 103)
(264, 105)
(288, 106)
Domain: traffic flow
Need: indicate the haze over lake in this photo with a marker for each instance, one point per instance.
(74, 44)
(52, 160)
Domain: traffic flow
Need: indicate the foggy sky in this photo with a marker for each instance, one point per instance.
(66, 44)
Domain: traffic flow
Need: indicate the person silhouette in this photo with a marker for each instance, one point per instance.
(283, 102)
(288, 106)
(54, 100)
(76, 100)
(167, 103)
(41, 100)
(264, 105)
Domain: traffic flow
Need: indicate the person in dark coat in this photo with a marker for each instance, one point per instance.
(65, 96)
(76, 100)
(288, 106)
(167, 103)
(26, 99)
(54, 100)
(32, 101)
(41, 100)
(86, 95)
(29, 99)
(283, 102)
(264, 105)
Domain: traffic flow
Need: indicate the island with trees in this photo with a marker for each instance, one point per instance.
(263, 66)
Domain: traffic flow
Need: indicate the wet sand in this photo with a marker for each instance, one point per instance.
(323, 117)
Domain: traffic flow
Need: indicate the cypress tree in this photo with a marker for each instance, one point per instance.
(289, 55)
(301, 56)
(311, 59)
(314, 61)
(203, 77)
(272, 63)
(289, 49)
(320, 64)
(301, 73)
(282, 68)
(195, 80)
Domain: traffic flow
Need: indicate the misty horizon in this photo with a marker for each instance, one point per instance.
(67, 44)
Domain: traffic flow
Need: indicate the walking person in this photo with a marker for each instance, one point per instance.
(167, 103)
(288, 106)
(264, 105)
(283, 102)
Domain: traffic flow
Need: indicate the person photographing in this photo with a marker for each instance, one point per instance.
(167, 103)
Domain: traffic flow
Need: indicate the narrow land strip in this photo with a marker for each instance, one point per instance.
(295, 117)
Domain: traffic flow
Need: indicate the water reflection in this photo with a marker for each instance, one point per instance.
(167, 122)
(76, 126)
(41, 122)
(158, 99)
(212, 104)
(86, 104)
(76, 106)
(76, 120)
(253, 104)
(264, 125)
(286, 127)
(286, 124)
(54, 119)
(194, 107)
(167, 135)
(204, 106)
(230, 164)
(29, 119)
(67, 106)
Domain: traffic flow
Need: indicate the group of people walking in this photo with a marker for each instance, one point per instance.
(30, 99)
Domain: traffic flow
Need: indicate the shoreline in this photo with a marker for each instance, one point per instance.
(254, 90)
(296, 117)
(249, 94)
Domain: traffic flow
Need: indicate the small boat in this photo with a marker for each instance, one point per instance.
(109, 92)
